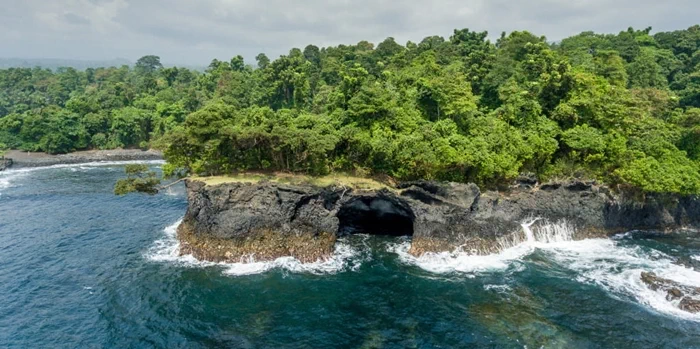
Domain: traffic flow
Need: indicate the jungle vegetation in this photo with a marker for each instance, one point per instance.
(621, 108)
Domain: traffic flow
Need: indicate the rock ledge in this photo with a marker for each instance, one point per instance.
(265, 220)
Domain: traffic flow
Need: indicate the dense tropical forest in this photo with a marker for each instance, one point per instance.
(624, 109)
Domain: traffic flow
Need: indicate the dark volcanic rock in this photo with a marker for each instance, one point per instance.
(690, 305)
(5, 163)
(674, 294)
(233, 220)
(674, 291)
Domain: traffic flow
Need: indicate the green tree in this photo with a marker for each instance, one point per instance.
(645, 72)
(262, 60)
(619, 108)
(139, 179)
(148, 64)
(237, 63)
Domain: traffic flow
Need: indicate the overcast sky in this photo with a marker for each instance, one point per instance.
(195, 31)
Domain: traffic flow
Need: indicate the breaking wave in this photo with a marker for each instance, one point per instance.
(459, 261)
(515, 247)
(618, 269)
(602, 262)
(8, 178)
(346, 257)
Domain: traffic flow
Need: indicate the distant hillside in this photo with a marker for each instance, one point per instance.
(57, 63)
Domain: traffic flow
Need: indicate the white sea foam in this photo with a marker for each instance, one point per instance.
(618, 270)
(515, 247)
(603, 262)
(497, 288)
(5, 181)
(547, 233)
(9, 178)
(460, 261)
(697, 258)
(85, 165)
(344, 258)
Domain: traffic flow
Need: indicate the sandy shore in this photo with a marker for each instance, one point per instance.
(27, 159)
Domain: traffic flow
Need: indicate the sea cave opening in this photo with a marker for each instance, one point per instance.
(375, 216)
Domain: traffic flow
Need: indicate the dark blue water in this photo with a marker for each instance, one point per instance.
(81, 268)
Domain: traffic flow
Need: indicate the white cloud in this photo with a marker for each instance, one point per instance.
(195, 31)
(70, 15)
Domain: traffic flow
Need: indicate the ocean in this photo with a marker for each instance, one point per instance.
(83, 268)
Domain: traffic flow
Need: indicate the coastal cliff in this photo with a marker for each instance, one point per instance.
(266, 220)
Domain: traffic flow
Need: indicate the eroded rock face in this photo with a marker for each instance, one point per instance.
(461, 215)
(231, 221)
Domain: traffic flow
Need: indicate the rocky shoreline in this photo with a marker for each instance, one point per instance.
(234, 221)
(263, 220)
(28, 159)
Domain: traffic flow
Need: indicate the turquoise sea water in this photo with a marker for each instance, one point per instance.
(81, 268)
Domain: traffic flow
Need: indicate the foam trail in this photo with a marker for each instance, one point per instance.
(85, 165)
(498, 288)
(344, 258)
(460, 261)
(8, 177)
(167, 248)
(514, 248)
(617, 269)
(5, 181)
(602, 262)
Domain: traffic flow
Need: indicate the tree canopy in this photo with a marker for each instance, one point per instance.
(622, 108)
(139, 179)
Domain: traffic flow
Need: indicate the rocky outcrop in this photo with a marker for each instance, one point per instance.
(230, 221)
(266, 220)
(589, 209)
(689, 296)
(5, 163)
(234, 221)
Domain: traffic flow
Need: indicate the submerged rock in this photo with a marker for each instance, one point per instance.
(690, 305)
(674, 291)
(518, 315)
(674, 294)
(267, 220)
